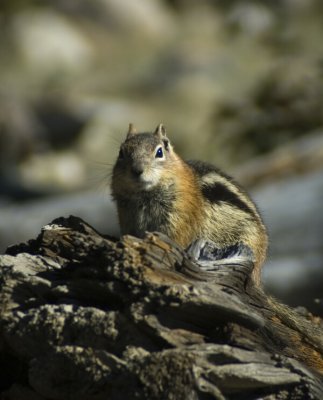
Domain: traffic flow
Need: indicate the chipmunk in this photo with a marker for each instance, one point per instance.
(155, 190)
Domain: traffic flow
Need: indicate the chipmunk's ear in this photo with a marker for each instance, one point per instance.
(131, 131)
(160, 131)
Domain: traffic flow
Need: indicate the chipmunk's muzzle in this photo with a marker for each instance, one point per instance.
(143, 176)
(137, 170)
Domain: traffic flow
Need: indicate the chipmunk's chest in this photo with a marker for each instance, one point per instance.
(146, 211)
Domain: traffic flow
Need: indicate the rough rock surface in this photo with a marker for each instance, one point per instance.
(84, 316)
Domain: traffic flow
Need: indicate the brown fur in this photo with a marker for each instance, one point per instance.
(180, 199)
(186, 219)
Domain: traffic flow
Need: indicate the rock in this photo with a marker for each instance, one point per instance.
(54, 173)
(20, 132)
(61, 122)
(19, 222)
(292, 211)
(283, 107)
(301, 157)
(251, 18)
(62, 48)
(148, 17)
(144, 17)
(84, 316)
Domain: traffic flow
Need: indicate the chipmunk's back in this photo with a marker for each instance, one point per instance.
(230, 214)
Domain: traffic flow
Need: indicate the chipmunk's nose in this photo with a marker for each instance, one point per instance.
(137, 170)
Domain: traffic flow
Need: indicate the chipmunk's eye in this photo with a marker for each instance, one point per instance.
(121, 154)
(159, 153)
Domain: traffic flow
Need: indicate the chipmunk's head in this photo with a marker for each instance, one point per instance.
(142, 158)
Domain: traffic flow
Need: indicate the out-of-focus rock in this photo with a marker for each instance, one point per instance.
(284, 106)
(146, 16)
(143, 17)
(49, 43)
(18, 222)
(292, 208)
(20, 138)
(29, 134)
(61, 121)
(20, 132)
(301, 156)
(49, 171)
(251, 17)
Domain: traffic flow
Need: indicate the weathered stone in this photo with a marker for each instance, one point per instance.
(87, 317)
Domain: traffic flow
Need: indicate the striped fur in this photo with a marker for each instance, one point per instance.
(185, 200)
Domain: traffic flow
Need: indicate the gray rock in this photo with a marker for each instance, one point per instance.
(87, 317)
(62, 48)
(292, 208)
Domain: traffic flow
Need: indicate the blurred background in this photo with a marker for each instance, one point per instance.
(237, 83)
